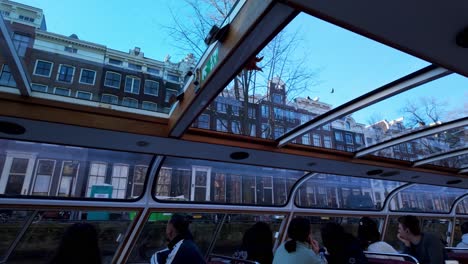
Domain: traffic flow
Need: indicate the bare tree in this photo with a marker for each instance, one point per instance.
(250, 86)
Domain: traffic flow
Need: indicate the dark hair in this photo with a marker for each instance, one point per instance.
(342, 246)
(79, 245)
(258, 242)
(181, 224)
(464, 228)
(411, 222)
(368, 232)
(298, 230)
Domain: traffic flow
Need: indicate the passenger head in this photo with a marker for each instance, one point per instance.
(258, 242)
(178, 225)
(79, 245)
(368, 232)
(408, 225)
(464, 228)
(299, 230)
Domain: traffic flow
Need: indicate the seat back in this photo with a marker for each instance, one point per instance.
(383, 258)
(460, 254)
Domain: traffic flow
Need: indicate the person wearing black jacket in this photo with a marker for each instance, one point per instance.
(342, 247)
(181, 248)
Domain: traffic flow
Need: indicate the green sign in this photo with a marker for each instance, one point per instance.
(210, 64)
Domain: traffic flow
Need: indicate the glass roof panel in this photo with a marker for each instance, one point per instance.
(344, 192)
(449, 140)
(426, 198)
(309, 68)
(78, 61)
(407, 112)
(47, 170)
(190, 180)
(459, 162)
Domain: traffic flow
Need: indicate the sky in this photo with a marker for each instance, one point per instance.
(349, 64)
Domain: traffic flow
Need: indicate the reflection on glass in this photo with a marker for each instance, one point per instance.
(343, 192)
(426, 198)
(449, 140)
(436, 226)
(153, 236)
(43, 236)
(230, 238)
(207, 181)
(51, 170)
(459, 162)
(11, 222)
(462, 207)
(294, 79)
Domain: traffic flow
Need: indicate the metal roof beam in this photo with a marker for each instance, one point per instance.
(441, 156)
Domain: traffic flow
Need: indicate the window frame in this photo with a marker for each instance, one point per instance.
(55, 89)
(59, 73)
(132, 88)
(157, 89)
(149, 102)
(81, 76)
(110, 95)
(111, 86)
(84, 92)
(50, 70)
(129, 99)
(38, 84)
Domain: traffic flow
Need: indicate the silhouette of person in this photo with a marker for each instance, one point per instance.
(79, 245)
(257, 244)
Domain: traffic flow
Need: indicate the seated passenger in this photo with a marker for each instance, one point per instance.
(181, 248)
(342, 247)
(426, 247)
(301, 248)
(79, 245)
(464, 242)
(257, 244)
(369, 236)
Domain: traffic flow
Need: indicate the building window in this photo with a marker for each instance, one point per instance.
(169, 94)
(87, 76)
(71, 49)
(220, 107)
(349, 138)
(235, 110)
(4, 13)
(251, 112)
(68, 177)
(130, 102)
(338, 136)
(109, 99)
(221, 125)
(132, 85)
(265, 130)
(173, 78)
(339, 147)
(134, 66)
(112, 80)
(119, 181)
(26, 18)
(278, 112)
(350, 149)
(204, 121)
(235, 127)
(317, 142)
(358, 139)
(277, 98)
(265, 111)
(97, 176)
(348, 125)
(43, 68)
(253, 130)
(44, 171)
(115, 62)
(306, 139)
(65, 73)
(21, 43)
(6, 78)
(39, 87)
(84, 95)
(327, 142)
(151, 87)
(154, 71)
(279, 131)
(410, 148)
(62, 91)
(326, 127)
(139, 176)
(149, 106)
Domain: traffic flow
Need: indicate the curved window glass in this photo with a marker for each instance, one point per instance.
(11, 223)
(39, 169)
(426, 198)
(344, 192)
(462, 207)
(42, 238)
(192, 180)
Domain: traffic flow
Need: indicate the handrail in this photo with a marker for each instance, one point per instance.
(456, 248)
(413, 259)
